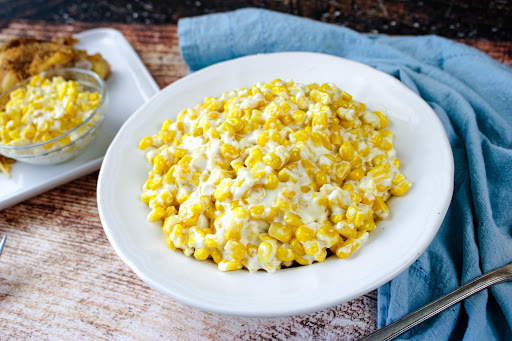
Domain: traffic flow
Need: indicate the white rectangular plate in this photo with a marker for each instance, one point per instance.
(128, 87)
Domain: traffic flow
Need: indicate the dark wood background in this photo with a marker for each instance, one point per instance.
(477, 19)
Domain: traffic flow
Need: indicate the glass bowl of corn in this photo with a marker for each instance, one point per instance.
(51, 117)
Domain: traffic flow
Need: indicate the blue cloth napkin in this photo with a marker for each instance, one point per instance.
(472, 95)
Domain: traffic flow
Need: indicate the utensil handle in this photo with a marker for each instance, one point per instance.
(396, 328)
(2, 243)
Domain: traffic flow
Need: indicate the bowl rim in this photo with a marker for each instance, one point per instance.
(193, 301)
(103, 90)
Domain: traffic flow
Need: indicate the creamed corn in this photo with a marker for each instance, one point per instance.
(266, 176)
(44, 110)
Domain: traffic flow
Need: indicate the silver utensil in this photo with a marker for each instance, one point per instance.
(396, 328)
(2, 243)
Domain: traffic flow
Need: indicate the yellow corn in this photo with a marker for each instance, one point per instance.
(284, 254)
(264, 252)
(272, 181)
(292, 219)
(321, 178)
(401, 189)
(329, 233)
(298, 116)
(347, 150)
(396, 162)
(384, 122)
(273, 161)
(256, 211)
(398, 179)
(240, 212)
(246, 167)
(280, 232)
(311, 248)
(216, 255)
(342, 171)
(271, 214)
(346, 248)
(225, 265)
(356, 174)
(320, 120)
(233, 232)
(296, 247)
(321, 256)
(236, 250)
(230, 152)
(156, 214)
(304, 233)
(146, 142)
(201, 254)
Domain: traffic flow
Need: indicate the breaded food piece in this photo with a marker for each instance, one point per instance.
(25, 57)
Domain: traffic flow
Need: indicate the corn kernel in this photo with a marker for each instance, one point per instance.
(321, 256)
(292, 219)
(401, 189)
(284, 254)
(346, 230)
(302, 261)
(298, 116)
(347, 150)
(156, 214)
(311, 248)
(240, 212)
(352, 213)
(264, 252)
(346, 249)
(201, 254)
(342, 171)
(146, 142)
(296, 247)
(170, 243)
(321, 178)
(216, 255)
(384, 122)
(236, 250)
(280, 232)
(271, 214)
(211, 242)
(320, 120)
(304, 233)
(357, 174)
(256, 211)
(398, 179)
(233, 232)
(273, 161)
(272, 181)
(396, 162)
(225, 265)
(329, 233)
(263, 138)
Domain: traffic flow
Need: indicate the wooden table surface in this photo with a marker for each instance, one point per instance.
(61, 279)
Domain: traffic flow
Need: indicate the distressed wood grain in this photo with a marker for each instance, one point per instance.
(61, 279)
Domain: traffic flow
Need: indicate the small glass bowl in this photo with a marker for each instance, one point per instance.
(52, 151)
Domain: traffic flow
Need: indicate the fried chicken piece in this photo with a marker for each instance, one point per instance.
(24, 57)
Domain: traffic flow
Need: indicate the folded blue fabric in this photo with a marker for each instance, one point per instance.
(472, 95)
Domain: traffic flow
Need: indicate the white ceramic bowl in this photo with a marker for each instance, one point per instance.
(419, 138)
